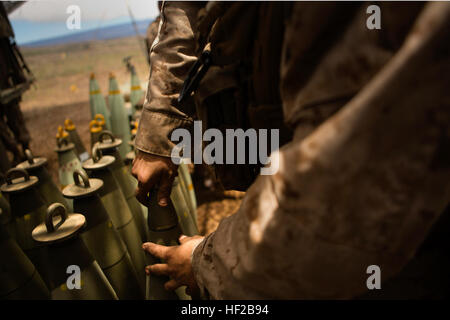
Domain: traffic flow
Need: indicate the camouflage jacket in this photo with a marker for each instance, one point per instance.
(367, 173)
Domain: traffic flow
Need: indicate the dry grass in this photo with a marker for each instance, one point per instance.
(62, 72)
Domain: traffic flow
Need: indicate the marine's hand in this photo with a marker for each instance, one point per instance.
(177, 263)
(151, 170)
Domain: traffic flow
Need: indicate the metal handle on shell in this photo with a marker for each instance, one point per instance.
(62, 141)
(29, 156)
(53, 210)
(96, 153)
(77, 174)
(16, 171)
(106, 133)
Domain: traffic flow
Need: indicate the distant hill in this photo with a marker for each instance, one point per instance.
(103, 33)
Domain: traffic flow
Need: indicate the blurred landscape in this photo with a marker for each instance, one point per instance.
(61, 89)
(62, 71)
(121, 30)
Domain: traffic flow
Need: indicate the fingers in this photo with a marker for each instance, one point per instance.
(145, 185)
(158, 269)
(156, 250)
(165, 188)
(137, 165)
(182, 239)
(141, 194)
(171, 285)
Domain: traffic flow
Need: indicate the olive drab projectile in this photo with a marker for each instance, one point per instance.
(117, 208)
(28, 210)
(19, 279)
(119, 116)
(35, 166)
(5, 164)
(109, 145)
(67, 254)
(136, 92)
(185, 218)
(164, 229)
(97, 102)
(67, 160)
(101, 238)
(70, 128)
(188, 190)
(6, 218)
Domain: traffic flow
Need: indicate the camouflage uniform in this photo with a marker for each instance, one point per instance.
(14, 80)
(366, 173)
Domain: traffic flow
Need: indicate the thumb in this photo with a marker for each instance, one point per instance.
(183, 239)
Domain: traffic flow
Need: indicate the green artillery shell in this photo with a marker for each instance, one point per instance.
(97, 102)
(179, 200)
(108, 145)
(117, 208)
(119, 116)
(68, 162)
(28, 210)
(66, 250)
(6, 218)
(35, 166)
(19, 278)
(102, 239)
(75, 139)
(163, 229)
(188, 189)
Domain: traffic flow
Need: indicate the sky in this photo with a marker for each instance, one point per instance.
(42, 19)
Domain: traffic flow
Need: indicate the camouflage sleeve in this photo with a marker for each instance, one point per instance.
(362, 189)
(171, 56)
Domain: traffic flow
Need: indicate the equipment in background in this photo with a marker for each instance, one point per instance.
(109, 145)
(97, 102)
(46, 187)
(69, 126)
(67, 255)
(119, 116)
(117, 208)
(19, 279)
(101, 238)
(136, 93)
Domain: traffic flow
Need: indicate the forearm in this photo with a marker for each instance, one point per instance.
(171, 56)
(362, 189)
